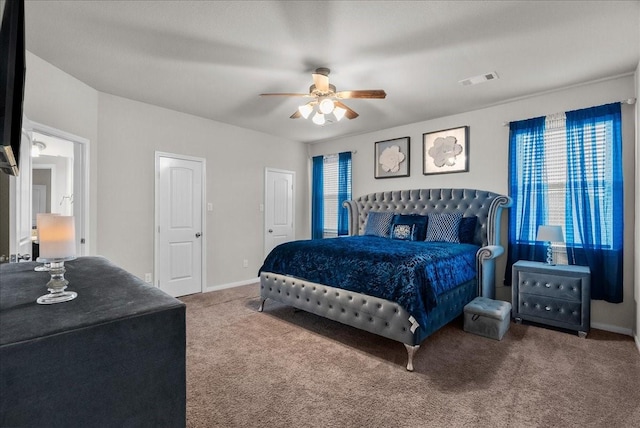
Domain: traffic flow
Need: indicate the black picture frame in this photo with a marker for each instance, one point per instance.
(445, 151)
(392, 158)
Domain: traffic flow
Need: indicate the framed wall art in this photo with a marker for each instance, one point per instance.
(446, 151)
(392, 158)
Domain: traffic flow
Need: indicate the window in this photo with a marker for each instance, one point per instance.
(565, 170)
(331, 187)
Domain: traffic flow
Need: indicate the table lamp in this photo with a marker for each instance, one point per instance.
(57, 245)
(549, 234)
(45, 267)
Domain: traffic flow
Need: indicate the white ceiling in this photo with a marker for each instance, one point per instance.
(213, 58)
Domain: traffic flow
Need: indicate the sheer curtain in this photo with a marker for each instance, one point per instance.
(317, 198)
(566, 170)
(594, 211)
(528, 188)
(344, 191)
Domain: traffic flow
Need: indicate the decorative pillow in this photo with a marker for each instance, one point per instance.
(406, 232)
(420, 222)
(443, 227)
(378, 224)
(467, 229)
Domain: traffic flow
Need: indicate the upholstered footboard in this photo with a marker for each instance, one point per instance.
(369, 313)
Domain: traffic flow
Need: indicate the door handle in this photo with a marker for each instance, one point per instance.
(198, 235)
(270, 230)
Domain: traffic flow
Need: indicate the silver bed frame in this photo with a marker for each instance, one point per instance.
(383, 317)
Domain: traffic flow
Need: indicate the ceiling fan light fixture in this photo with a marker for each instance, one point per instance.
(318, 119)
(305, 110)
(339, 113)
(326, 106)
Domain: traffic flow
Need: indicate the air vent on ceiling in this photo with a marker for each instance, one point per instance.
(479, 79)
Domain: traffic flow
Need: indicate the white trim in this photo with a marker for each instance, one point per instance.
(210, 288)
(203, 253)
(637, 340)
(612, 328)
(57, 133)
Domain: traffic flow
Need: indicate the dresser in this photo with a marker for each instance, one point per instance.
(555, 295)
(112, 357)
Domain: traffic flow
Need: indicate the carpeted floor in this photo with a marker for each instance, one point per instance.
(286, 368)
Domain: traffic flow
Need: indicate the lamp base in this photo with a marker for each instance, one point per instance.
(55, 297)
(549, 255)
(57, 285)
(44, 268)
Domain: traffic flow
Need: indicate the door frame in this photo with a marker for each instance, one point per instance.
(84, 231)
(156, 230)
(267, 170)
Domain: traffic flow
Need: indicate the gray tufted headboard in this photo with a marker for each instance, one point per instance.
(483, 204)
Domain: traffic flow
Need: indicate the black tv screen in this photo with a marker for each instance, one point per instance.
(12, 75)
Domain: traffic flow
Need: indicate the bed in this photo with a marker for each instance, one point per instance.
(406, 269)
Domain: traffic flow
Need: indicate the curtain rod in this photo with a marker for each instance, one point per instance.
(630, 101)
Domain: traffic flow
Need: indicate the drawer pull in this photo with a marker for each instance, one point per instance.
(548, 308)
(547, 285)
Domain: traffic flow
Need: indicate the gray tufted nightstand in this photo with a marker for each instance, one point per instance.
(555, 295)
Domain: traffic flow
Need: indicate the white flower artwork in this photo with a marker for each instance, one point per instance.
(444, 151)
(391, 158)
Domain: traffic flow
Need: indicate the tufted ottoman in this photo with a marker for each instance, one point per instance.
(487, 317)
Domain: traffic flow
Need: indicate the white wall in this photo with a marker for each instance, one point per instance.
(637, 208)
(130, 132)
(59, 100)
(488, 165)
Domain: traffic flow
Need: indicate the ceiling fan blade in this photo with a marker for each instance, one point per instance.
(295, 115)
(285, 94)
(350, 114)
(366, 93)
(321, 81)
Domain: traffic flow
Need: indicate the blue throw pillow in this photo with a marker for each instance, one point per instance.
(467, 229)
(405, 232)
(443, 227)
(419, 221)
(378, 224)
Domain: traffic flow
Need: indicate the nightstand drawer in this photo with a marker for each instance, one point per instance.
(563, 311)
(555, 286)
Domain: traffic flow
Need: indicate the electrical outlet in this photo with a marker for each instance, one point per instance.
(147, 278)
(245, 263)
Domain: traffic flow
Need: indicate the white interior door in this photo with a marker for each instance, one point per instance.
(278, 213)
(179, 204)
(20, 199)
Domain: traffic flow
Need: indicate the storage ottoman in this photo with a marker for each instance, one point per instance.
(487, 317)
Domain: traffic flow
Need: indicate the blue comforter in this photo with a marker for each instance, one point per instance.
(410, 273)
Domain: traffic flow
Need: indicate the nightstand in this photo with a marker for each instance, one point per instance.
(555, 295)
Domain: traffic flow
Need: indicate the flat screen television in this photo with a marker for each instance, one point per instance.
(12, 75)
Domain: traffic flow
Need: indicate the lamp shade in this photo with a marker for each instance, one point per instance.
(39, 217)
(57, 236)
(550, 234)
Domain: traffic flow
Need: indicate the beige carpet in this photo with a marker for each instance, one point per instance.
(286, 368)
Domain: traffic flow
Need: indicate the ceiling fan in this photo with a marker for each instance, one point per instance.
(326, 104)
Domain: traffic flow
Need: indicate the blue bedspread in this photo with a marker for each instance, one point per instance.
(410, 273)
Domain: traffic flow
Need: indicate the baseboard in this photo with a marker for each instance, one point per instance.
(637, 340)
(612, 328)
(231, 285)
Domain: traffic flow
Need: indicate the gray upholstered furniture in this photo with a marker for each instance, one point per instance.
(487, 317)
(113, 357)
(384, 317)
(555, 295)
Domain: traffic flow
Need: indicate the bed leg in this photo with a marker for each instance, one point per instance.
(262, 305)
(411, 351)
